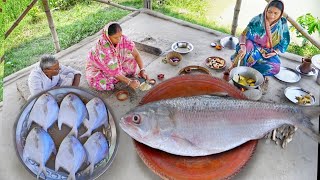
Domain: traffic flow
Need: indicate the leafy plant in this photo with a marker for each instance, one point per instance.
(308, 22)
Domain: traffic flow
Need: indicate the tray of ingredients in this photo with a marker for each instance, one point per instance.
(299, 96)
(215, 62)
(65, 133)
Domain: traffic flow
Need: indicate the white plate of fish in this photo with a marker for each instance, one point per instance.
(66, 132)
(299, 96)
(288, 75)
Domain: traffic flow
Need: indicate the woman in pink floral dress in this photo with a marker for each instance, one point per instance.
(114, 58)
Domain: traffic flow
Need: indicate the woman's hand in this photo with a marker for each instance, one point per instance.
(143, 74)
(242, 51)
(134, 84)
(268, 55)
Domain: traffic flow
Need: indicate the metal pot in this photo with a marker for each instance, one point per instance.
(247, 72)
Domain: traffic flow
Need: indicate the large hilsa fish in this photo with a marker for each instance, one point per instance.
(44, 112)
(72, 113)
(204, 125)
(39, 146)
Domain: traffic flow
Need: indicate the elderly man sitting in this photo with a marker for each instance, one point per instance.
(50, 74)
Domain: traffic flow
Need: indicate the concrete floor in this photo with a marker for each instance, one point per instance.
(297, 161)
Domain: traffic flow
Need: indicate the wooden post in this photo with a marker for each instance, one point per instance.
(300, 29)
(51, 25)
(15, 24)
(235, 17)
(147, 4)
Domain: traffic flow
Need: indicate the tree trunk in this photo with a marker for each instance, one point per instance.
(147, 4)
(51, 26)
(235, 17)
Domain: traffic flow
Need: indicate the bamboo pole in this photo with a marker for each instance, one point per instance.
(300, 29)
(235, 17)
(147, 4)
(51, 25)
(117, 5)
(15, 24)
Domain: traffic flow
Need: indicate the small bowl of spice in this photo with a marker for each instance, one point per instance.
(122, 95)
(174, 58)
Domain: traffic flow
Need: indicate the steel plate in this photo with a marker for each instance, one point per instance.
(219, 166)
(316, 60)
(21, 132)
(182, 47)
(311, 73)
(292, 92)
(288, 75)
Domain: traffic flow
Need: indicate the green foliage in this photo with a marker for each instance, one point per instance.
(308, 22)
(66, 4)
(307, 50)
(29, 41)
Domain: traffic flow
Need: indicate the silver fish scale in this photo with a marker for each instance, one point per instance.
(204, 125)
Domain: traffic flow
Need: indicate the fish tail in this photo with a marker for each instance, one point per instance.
(72, 176)
(91, 168)
(59, 124)
(305, 123)
(74, 131)
(42, 169)
(87, 133)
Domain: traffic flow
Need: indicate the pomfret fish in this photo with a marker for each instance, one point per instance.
(98, 116)
(204, 125)
(44, 112)
(39, 146)
(97, 148)
(71, 155)
(72, 113)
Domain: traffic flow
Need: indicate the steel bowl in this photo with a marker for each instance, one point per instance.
(21, 132)
(247, 72)
(182, 47)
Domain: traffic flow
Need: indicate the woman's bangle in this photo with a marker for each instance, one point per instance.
(129, 82)
(242, 44)
(276, 52)
(142, 69)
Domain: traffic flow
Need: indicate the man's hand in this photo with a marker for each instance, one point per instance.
(76, 80)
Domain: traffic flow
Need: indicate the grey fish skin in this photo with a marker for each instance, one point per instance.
(39, 146)
(203, 125)
(97, 148)
(72, 113)
(98, 116)
(44, 112)
(71, 155)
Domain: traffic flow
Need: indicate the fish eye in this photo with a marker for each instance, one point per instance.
(136, 119)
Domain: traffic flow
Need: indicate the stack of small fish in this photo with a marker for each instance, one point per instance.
(71, 154)
(282, 135)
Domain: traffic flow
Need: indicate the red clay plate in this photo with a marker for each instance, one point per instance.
(218, 166)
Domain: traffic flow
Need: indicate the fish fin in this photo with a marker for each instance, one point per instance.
(74, 131)
(87, 133)
(56, 165)
(59, 124)
(180, 140)
(91, 168)
(42, 169)
(29, 123)
(54, 149)
(72, 176)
